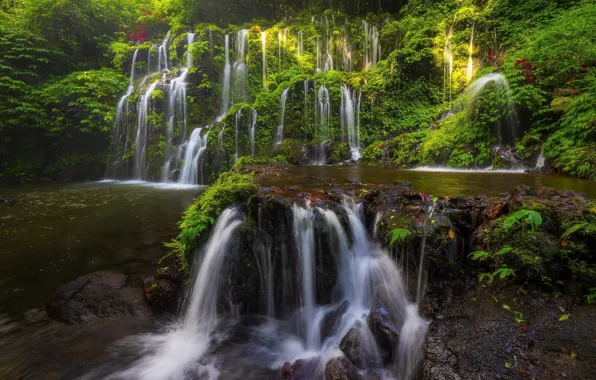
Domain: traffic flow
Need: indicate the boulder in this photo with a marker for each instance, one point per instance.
(302, 369)
(383, 326)
(95, 296)
(341, 369)
(360, 348)
(162, 295)
(332, 319)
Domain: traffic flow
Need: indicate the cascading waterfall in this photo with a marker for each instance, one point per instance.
(322, 117)
(448, 64)
(176, 112)
(364, 273)
(279, 134)
(193, 152)
(470, 68)
(305, 108)
(300, 46)
(220, 141)
(240, 66)
(282, 36)
(264, 53)
(162, 55)
(349, 118)
(142, 131)
(346, 52)
(372, 46)
(120, 128)
(510, 133)
(238, 117)
(540, 161)
(172, 355)
(225, 92)
(305, 241)
(252, 131)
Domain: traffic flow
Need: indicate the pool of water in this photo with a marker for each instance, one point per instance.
(444, 183)
(55, 233)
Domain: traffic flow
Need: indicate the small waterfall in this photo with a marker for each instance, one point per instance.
(193, 152)
(162, 55)
(264, 52)
(238, 117)
(177, 353)
(346, 52)
(448, 65)
(220, 141)
(142, 132)
(420, 284)
(252, 131)
(372, 46)
(282, 36)
(349, 117)
(300, 47)
(470, 69)
(225, 92)
(305, 241)
(241, 66)
(305, 108)
(120, 128)
(279, 135)
(511, 133)
(540, 161)
(322, 117)
(176, 112)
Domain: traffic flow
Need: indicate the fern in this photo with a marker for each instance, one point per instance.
(503, 272)
(479, 255)
(399, 235)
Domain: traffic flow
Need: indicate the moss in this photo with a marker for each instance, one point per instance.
(339, 152)
(291, 149)
(230, 188)
(373, 152)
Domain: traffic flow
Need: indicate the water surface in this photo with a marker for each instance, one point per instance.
(55, 233)
(450, 184)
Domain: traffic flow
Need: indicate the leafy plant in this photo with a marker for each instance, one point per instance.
(399, 235)
(525, 217)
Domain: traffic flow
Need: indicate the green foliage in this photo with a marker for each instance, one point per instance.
(373, 152)
(230, 188)
(525, 217)
(399, 235)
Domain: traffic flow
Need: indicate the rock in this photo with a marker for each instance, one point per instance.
(95, 296)
(383, 326)
(507, 156)
(169, 273)
(332, 319)
(162, 295)
(302, 369)
(5, 201)
(341, 369)
(360, 348)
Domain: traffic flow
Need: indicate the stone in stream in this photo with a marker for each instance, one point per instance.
(341, 369)
(359, 347)
(382, 326)
(332, 319)
(302, 369)
(95, 296)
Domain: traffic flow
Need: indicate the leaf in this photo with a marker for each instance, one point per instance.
(399, 234)
(564, 317)
(503, 272)
(479, 255)
(504, 250)
(577, 226)
(451, 234)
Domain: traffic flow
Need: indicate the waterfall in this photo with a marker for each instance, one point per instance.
(540, 161)
(240, 66)
(120, 128)
(300, 47)
(252, 130)
(264, 52)
(162, 55)
(279, 135)
(322, 115)
(220, 141)
(141, 140)
(176, 112)
(365, 273)
(237, 125)
(225, 92)
(346, 52)
(349, 118)
(305, 108)
(448, 65)
(281, 42)
(470, 69)
(304, 235)
(193, 152)
(372, 46)
(511, 132)
(178, 351)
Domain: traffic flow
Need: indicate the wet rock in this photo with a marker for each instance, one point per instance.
(302, 369)
(162, 295)
(35, 316)
(382, 325)
(5, 201)
(341, 369)
(95, 296)
(169, 273)
(332, 319)
(507, 156)
(360, 348)
(292, 188)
